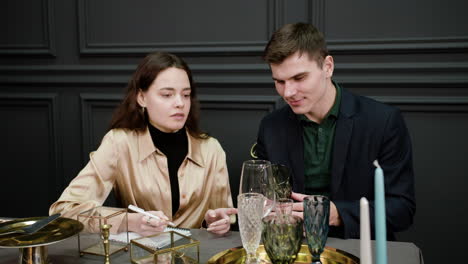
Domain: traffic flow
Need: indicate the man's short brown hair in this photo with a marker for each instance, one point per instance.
(291, 38)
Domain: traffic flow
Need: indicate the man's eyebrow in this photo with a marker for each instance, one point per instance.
(292, 77)
(299, 75)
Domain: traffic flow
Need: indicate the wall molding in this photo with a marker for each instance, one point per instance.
(240, 102)
(89, 101)
(398, 45)
(50, 102)
(427, 104)
(409, 75)
(274, 17)
(316, 14)
(44, 49)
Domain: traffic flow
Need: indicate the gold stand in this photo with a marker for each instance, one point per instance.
(33, 255)
(105, 231)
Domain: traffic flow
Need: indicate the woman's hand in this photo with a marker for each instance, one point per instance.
(145, 225)
(219, 220)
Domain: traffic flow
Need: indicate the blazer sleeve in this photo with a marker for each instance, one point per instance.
(395, 158)
(93, 184)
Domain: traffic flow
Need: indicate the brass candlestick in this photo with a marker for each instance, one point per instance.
(105, 231)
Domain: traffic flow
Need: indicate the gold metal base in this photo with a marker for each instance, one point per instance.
(34, 255)
(329, 256)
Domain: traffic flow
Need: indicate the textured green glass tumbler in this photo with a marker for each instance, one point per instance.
(282, 235)
(316, 217)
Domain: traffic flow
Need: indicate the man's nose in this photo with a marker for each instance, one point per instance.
(289, 89)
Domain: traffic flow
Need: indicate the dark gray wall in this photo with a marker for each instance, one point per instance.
(64, 66)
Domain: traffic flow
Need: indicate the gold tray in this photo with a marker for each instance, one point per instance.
(329, 256)
(58, 230)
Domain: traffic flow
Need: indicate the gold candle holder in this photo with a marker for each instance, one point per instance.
(105, 232)
(90, 240)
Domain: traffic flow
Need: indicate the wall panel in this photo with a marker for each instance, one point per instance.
(121, 27)
(31, 164)
(33, 31)
(356, 27)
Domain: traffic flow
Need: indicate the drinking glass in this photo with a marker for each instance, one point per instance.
(281, 178)
(257, 177)
(250, 211)
(316, 217)
(282, 233)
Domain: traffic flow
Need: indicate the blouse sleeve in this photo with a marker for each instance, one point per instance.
(93, 184)
(222, 186)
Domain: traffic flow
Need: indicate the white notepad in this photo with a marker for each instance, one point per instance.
(155, 242)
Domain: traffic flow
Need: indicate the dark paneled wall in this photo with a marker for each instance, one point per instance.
(64, 66)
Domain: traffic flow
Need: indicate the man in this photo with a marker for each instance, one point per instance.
(330, 137)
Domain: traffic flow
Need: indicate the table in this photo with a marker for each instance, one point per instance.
(210, 244)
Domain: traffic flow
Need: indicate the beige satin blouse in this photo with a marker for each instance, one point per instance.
(129, 162)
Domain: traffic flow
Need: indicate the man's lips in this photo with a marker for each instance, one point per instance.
(294, 102)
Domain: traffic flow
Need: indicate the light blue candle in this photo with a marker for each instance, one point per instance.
(380, 224)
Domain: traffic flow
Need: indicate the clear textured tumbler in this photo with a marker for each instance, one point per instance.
(250, 212)
(282, 233)
(316, 217)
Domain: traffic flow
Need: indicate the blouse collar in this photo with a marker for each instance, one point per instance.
(146, 147)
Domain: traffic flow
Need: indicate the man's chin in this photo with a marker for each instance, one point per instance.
(297, 110)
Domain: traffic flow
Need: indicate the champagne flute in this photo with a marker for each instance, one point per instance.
(257, 177)
(254, 202)
(250, 211)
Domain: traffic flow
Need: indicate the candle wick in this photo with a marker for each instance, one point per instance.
(376, 164)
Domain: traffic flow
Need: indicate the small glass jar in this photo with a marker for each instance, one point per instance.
(166, 247)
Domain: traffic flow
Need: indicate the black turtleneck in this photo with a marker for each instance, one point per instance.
(175, 147)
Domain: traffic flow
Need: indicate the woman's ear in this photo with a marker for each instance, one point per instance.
(328, 66)
(141, 98)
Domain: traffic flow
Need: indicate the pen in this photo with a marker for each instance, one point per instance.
(141, 211)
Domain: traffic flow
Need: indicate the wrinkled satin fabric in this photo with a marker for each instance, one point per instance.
(128, 161)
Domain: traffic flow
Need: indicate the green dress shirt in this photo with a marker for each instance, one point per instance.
(318, 144)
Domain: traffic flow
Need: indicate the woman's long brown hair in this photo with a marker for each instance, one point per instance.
(130, 115)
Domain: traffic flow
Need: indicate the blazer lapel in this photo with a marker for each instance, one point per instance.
(296, 152)
(343, 132)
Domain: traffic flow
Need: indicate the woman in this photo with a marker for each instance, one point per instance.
(156, 157)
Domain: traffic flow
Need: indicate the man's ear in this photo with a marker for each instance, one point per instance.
(328, 66)
(141, 98)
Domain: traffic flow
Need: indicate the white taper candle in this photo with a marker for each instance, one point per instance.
(366, 250)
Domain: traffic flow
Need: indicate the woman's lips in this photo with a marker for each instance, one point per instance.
(178, 116)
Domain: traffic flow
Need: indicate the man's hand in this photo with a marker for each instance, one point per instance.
(218, 220)
(298, 206)
(298, 209)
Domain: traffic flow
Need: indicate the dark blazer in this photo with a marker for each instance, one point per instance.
(366, 130)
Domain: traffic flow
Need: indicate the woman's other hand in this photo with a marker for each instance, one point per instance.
(218, 220)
